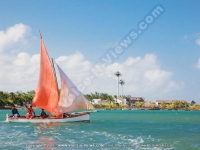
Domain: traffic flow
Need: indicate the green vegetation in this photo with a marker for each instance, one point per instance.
(162, 105)
(196, 107)
(153, 105)
(139, 104)
(102, 96)
(177, 105)
(110, 106)
(9, 99)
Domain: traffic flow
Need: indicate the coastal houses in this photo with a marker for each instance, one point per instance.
(192, 103)
(132, 100)
(99, 101)
(95, 101)
(121, 100)
(172, 103)
(147, 104)
(140, 102)
(104, 102)
(158, 102)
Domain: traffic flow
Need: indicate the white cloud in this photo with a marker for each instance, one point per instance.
(22, 59)
(198, 64)
(13, 35)
(75, 66)
(198, 41)
(21, 74)
(21, 71)
(143, 76)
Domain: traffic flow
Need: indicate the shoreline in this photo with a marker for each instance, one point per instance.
(146, 109)
(23, 108)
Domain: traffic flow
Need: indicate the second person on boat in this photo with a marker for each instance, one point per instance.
(30, 112)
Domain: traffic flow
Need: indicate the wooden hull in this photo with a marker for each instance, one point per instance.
(81, 118)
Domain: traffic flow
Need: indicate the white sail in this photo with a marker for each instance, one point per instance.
(71, 99)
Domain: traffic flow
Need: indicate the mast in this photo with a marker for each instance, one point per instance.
(55, 74)
(40, 34)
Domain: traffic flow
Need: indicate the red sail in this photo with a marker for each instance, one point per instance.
(46, 95)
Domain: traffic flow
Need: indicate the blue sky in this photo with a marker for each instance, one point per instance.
(85, 30)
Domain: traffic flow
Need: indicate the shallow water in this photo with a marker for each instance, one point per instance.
(108, 129)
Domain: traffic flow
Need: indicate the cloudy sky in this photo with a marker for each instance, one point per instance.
(162, 63)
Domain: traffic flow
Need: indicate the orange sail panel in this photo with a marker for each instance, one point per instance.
(46, 95)
(71, 99)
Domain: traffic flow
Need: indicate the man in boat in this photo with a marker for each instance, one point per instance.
(43, 114)
(30, 112)
(66, 115)
(15, 112)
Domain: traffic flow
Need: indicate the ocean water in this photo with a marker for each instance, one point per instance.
(108, 129)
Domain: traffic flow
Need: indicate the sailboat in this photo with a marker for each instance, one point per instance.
(49, 98)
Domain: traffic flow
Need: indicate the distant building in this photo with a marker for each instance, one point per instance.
(192, 103)
(121, 100)
(104, 102)
(132, 100)
(158, 102)
(124, 102)
(95, 101)
(147, 104)
(99, 101)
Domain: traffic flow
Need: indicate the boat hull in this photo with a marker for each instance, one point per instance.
(82, 118)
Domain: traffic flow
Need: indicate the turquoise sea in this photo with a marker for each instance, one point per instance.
(108, 129)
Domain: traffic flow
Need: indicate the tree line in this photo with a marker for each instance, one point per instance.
(18, 98)
(15, 98)
(174, 105)
(102, 96)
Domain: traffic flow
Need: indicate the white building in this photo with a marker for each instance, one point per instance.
(121, 100)
(96, 101)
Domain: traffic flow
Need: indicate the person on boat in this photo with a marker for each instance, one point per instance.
(59, 116)
(66, 115)
(15, 112)
(43, 114)
(30, 112)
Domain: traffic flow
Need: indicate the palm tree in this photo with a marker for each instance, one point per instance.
(162, 105)
(176, 104)
(12, 95)
(117, 74)
(122, 82)
(185, 105)
(110, 99)
(153, 105)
